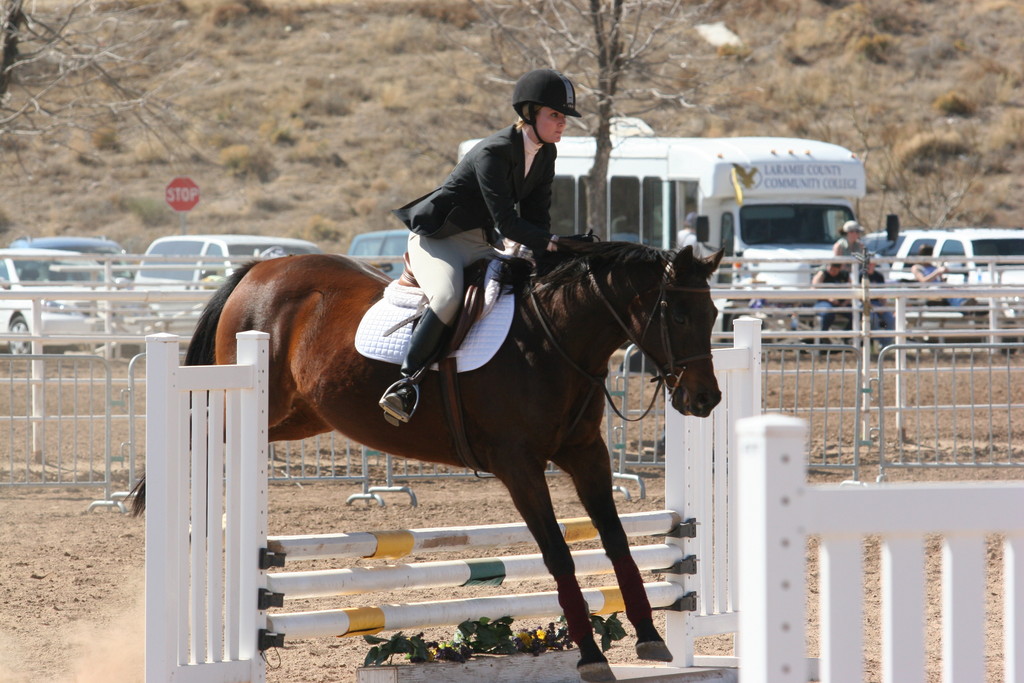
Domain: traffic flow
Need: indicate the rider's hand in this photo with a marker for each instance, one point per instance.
(553, 243)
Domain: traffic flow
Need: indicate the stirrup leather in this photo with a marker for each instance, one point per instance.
(395, 401)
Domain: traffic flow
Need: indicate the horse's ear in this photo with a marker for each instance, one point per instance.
(714, 260)
(686, 263)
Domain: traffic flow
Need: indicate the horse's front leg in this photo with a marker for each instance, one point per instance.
(590, 469)
(529, 491)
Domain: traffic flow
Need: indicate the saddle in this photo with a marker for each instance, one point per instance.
(472, 300)
(448, 374)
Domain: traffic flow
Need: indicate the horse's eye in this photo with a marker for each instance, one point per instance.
(679, 313)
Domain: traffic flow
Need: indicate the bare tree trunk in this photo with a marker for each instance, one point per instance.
(11, 18)
(597, 179)
(606, 22)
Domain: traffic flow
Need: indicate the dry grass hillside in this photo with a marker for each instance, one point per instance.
(313, 121)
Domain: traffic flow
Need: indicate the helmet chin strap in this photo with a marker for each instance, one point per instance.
(533, 127)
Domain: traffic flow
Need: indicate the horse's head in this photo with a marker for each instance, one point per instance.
(677, 332)
(659, 301)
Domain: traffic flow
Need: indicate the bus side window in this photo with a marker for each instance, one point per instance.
(654, 228)
(564, 220)
(624, 209)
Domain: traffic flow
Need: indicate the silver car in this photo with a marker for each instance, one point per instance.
(26, 269)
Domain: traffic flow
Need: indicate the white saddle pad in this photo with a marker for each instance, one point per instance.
(399, 303)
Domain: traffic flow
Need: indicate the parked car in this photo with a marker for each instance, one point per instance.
(383, 249)
(959, 249)
(969, 254)
(79, 245)
(214, 257)
(22, 268)
(190, 262)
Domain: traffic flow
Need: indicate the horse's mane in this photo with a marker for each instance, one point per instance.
(572, 262)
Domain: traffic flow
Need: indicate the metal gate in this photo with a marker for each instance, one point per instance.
(55, 424)
(949, 406)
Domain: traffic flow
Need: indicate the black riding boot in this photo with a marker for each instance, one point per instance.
(400, 400)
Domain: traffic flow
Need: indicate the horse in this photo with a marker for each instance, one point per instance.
(539, 399)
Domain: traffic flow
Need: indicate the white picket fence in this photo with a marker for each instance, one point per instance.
(778, 510)
(207, 452)
(746, 490)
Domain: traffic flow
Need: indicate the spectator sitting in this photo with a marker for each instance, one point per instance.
(929, 273)
(880, 320)
(832, 274)
(849, 244)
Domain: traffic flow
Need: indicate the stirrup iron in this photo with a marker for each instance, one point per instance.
(394, 413)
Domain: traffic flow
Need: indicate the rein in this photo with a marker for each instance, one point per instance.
(665, 373)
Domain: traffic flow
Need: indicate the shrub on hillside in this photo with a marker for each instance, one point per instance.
(459, 14)
(245, 162)
(877, 48)
(955, 103)
(151, 212)
(926, 152)
(326, 103)
(321, 229)
(105, 139)
(735, 51)
(150, 151)
(233, 13)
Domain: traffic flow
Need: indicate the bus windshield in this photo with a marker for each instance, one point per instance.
(792, 223)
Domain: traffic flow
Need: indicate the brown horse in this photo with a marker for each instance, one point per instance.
(539, 399)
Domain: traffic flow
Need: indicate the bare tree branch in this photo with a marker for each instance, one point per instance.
(622, 54)
(82, 66)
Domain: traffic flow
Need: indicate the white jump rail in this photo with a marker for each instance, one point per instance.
(778, 510)
(202, 628)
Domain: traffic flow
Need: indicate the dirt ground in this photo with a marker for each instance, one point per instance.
(72, 582)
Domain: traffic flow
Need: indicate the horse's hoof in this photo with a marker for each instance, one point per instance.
(595, 672)
(654, 651)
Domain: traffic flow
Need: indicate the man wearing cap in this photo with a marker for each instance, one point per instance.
(849, 244)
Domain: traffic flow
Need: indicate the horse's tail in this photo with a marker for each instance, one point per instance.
(201, 351)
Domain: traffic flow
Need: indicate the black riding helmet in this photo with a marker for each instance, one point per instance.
(545, 87)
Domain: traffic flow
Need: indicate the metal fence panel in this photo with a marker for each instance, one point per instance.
(950, 406)
(822, 385)
(55, 422)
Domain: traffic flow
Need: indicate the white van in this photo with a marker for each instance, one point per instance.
(185, 261)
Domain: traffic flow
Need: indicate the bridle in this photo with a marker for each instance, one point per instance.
(669, 374)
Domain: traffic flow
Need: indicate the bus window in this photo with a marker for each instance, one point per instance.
(653, 227)
(563, 206)
(583, 220)
(685, 196)
(624, 209)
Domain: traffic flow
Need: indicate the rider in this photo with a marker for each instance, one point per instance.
(500, 189)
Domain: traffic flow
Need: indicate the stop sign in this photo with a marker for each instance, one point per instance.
(182, 194)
